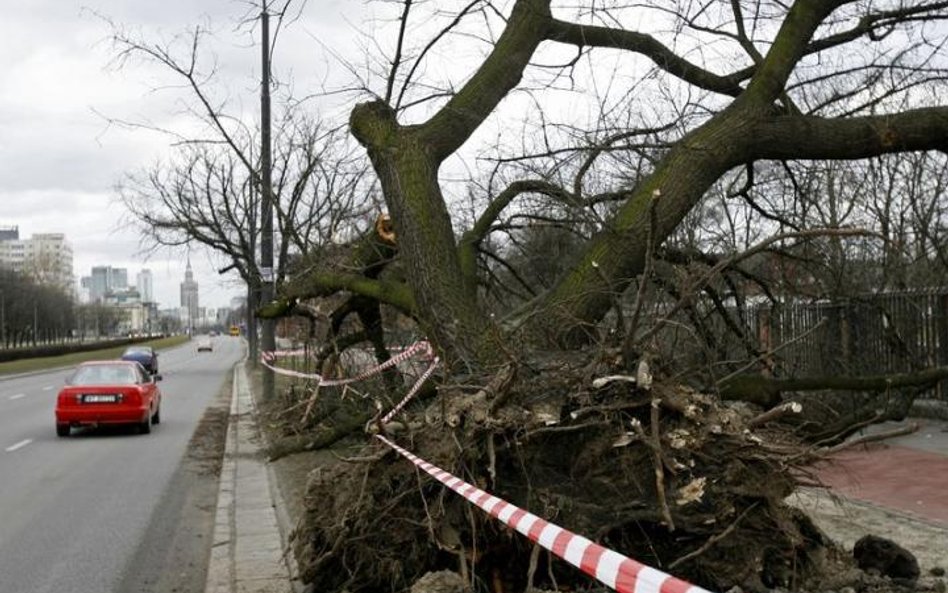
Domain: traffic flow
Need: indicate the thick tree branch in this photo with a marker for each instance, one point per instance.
(396, 294)
(874, 21)
(767, 389)
(664, 58)
(469, 242)
(500, 73)
(805, 137)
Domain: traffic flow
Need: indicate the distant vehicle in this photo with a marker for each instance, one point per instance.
(212, 333)
(235, 330)
(205, 344)
(109, 392)
(145, 355)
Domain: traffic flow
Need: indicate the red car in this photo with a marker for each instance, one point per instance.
(109, 392)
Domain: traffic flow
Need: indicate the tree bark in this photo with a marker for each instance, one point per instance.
(446, 302)
(766, 391)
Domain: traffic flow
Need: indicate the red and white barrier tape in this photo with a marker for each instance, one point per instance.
(267, 358)
(275, 354)
(411, 392)
(612, 569)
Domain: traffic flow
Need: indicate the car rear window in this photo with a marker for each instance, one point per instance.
(104, 375)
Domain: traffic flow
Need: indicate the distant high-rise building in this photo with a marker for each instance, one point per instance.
(85, 290)
(104, 281)
(45, 257)
(119, 279)
(189, 294)
(145, 285)
(100, 283)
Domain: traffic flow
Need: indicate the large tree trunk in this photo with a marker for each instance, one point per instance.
(617, 254)
(446, 299)
(681, 178)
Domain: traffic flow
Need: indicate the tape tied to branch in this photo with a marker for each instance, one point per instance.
(422, 347)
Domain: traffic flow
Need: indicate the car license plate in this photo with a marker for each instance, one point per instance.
(90, 398)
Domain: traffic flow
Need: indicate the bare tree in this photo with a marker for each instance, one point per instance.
(207, 192)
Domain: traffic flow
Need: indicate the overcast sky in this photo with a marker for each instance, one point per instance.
(59, 160)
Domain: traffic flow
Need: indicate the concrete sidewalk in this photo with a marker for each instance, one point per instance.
(248, 555)
(894, 489)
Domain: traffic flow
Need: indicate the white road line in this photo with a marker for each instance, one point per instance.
(19, 445)
(17, 396)
(48, 388)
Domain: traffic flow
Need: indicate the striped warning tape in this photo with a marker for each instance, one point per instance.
(422, 347)
(612, 569)
(275, 354)
(411, 392)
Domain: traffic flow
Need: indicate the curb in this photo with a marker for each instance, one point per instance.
(284, 521)
(247, 553)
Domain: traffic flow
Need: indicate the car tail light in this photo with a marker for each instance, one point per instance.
(133, 396)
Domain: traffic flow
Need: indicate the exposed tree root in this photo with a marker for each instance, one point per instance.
(379, 525)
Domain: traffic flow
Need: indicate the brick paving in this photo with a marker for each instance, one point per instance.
(908, 474)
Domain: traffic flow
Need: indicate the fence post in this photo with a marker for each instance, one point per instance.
(845, 336)
(764, 339)
(941, 317)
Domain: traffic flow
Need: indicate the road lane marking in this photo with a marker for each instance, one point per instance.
(19, 445)
(17, 396)
(48, 388)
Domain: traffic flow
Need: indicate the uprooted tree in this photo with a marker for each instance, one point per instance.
(659, 471)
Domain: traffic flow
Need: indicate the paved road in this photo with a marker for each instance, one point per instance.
(75, 512)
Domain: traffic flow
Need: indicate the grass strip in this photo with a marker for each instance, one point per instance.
(28, 365)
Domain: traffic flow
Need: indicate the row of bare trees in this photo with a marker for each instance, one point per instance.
(32, 312)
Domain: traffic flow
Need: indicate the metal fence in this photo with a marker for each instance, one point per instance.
(892, 332)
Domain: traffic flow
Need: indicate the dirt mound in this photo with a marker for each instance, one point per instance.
(664, 474)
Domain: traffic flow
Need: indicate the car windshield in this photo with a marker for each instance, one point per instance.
(104, 375)
(138, 350)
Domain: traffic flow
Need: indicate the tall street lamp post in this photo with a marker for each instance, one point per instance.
(266, 200)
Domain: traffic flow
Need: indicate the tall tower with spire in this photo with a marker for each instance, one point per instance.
(189, 295)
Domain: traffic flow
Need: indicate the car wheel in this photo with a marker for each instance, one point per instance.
(145, 427)
(156, 419)
(62, 429)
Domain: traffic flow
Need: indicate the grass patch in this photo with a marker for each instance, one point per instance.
(52, 362)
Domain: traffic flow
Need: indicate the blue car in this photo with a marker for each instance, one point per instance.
(144, 355)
